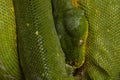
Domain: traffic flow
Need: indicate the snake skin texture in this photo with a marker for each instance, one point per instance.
(103, 44)
(30, 48)
(9, 64)
(40, 52)
(72, 28)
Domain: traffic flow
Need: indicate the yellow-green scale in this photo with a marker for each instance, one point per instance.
(9, 64)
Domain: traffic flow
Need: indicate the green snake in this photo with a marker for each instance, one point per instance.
(39, 54)
(72, 29)
(9, 65)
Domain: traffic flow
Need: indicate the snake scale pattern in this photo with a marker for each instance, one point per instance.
(31, 46)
